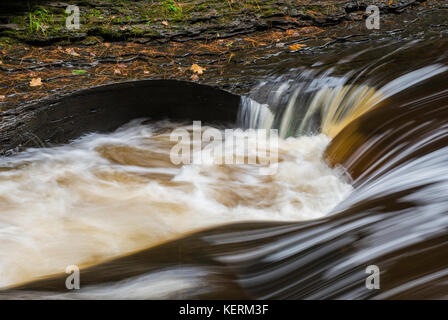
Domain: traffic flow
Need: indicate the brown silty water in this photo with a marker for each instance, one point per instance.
(360, 180)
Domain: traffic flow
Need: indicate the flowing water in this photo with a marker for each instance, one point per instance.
(361, 179)
(106, 195)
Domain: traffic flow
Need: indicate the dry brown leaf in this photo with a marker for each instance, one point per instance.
(165, 23)
(146, 72)
(296, 46)
(313, 13)
(197, 69)
(106, 44)
(311, 30)
(35, 82)
(194, 77)
(117, 71)
(72, 52)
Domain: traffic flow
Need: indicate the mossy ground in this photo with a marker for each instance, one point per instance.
(122, 19)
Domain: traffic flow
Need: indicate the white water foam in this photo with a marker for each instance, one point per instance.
(107, 195)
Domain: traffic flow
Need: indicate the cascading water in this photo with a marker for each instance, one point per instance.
(107, 195)
(104, 196)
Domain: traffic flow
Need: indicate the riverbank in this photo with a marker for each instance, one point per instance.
(226, 44)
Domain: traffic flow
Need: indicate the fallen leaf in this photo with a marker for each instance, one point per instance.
(197, 69)
(313, 13)
(311, 30)
(165, 23)
(146, 72)
(287, 18)
(107, 45)
(296, 46)
(35, 82)
(194, 77)
(290, 32)
(79, 72)
(117, 71)
(2, 97)
(72, 52)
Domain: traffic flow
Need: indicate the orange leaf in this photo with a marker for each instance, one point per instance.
(35, 82)
(197, 69)
(296, 46)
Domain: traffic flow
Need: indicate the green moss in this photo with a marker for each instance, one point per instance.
(144, 17)
(165, 9)
(93, 16)
(91, 40)
(7, 42)
(136, 31)
(40, 22)
(107, 32)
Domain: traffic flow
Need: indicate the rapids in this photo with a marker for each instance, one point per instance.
(107, 195)
(379, 119)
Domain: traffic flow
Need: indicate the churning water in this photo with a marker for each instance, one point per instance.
(361, 180)
(107, 195)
